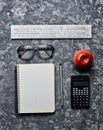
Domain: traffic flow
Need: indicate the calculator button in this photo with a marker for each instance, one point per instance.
(81, 93)
(86, 104)
(74, 104)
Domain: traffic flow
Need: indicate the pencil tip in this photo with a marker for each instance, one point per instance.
(62, 106)
(60, 63)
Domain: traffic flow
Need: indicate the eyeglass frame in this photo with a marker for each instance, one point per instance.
(36, 49)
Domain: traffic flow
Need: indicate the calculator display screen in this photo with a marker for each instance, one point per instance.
(81, 83)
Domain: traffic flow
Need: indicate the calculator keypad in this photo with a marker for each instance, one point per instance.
(80, 97)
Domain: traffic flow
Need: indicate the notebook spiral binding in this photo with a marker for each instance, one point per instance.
(18, 87)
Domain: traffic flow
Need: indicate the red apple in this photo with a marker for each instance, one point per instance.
(82, 59)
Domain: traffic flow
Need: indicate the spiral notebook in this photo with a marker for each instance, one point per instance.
(35, 88)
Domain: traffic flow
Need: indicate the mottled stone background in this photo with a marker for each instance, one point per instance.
(52, 12)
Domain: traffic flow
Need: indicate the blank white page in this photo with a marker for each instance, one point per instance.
(35, 88)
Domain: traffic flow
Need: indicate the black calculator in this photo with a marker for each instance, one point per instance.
(80, 91)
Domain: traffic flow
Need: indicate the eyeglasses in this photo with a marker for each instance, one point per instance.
(27, 52)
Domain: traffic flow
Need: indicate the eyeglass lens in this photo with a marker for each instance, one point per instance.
(46, 52)
(25, 52)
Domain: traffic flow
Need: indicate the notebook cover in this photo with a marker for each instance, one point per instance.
(35, 88)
